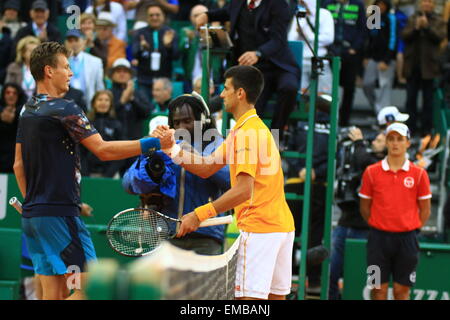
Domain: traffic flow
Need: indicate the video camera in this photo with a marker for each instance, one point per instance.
(155, 167)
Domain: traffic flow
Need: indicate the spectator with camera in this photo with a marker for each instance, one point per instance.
(181, 190)
(422, 35)
(357, 156)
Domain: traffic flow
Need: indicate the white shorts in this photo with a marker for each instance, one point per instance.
(264, 264)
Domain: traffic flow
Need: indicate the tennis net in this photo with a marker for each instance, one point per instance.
(183, 275)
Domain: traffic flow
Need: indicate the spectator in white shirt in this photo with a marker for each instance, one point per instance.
(326, 37)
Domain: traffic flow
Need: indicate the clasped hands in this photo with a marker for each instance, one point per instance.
(166, 136)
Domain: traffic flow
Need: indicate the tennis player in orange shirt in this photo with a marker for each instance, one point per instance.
(256, 195)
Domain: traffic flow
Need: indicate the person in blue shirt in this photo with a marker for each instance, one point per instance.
(47, 169)
(183, 191)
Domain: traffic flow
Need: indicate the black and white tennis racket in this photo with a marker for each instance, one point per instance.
(137, 232)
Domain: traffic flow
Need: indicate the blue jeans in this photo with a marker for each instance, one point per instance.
(340, 234)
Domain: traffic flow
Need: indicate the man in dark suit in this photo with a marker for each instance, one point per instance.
(259, 33)
(39, 26)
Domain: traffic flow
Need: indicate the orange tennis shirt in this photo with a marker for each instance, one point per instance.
(250, 148)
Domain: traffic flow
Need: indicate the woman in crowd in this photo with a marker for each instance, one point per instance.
(103, 118)
(18, 72)
(11, 100)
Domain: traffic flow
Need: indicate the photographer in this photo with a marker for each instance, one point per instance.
(176, 191)
(355, 157)
(422, 35)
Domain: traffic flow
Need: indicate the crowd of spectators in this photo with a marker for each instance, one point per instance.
(138, 49)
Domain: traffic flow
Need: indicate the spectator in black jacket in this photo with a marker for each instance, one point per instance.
(349, 36)
(351, 225)
(131, 105)
(11, 101)
(6, 44)
(39, 26)
(380, 52)
(154, 48)
(423, 35)
(103, 118)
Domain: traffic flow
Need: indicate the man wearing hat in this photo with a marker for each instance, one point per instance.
(106, 45)
(39, 26)
(395, 201)
(10, 17)
(131, 105)
(87, 69)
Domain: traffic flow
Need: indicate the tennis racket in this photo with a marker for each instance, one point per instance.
(137, 232)
(16, 204)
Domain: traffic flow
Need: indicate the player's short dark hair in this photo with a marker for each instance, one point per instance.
(46, 54)
(248, 78)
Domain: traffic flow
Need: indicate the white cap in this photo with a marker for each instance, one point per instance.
(105, 18)
(401, 128)
(391, 114)
(121, 62)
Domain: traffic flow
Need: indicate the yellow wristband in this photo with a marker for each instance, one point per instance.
(206, 211)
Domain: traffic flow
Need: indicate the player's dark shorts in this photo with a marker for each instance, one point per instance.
(58, 245)
(396, 253)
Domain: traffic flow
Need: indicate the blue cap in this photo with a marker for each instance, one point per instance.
(74, 33)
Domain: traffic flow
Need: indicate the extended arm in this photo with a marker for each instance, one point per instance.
(118, 150)
(239, 193)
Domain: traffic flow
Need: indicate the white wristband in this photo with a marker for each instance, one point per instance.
(173, 151)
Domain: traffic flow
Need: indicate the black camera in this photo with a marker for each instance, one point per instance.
(344, 132)
(155, 167)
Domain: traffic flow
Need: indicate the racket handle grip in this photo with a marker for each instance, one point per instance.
(217, 221)
(16, 204)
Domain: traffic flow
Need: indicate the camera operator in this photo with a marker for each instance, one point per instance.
(357, 156)
(176, 191)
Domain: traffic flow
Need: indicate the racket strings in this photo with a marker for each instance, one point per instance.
(137, 232)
